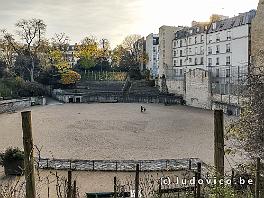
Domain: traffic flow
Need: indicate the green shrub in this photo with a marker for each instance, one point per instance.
(11, 154)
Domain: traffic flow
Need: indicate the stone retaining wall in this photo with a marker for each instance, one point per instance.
(18, 104)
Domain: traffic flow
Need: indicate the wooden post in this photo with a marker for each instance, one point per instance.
(199, 170)
(232, 177)
(257, 182)
(190, 164)
(74, 192)
(28, 158)
(137, 181)
(115, 188)
(219, 142)
(69, 185)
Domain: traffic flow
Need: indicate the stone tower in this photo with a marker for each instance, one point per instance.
(257, 35)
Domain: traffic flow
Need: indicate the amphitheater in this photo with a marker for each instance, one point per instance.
(112, 131)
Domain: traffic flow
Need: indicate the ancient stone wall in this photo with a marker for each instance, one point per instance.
(198, 89)
(18, 104)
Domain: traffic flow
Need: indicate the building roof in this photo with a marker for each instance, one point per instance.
(241, 19)
(190, 31)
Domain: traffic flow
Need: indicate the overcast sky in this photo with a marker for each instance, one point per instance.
(114, 19)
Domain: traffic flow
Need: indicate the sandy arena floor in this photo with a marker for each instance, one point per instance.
(115, 131)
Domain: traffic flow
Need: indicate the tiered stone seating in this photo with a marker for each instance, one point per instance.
(142, 87)
(101, 86)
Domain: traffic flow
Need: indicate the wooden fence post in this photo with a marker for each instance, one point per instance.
(219, 142)
(137, 181)
(74, 192)
(115, 188)
(69, 184)
(28, 158)
(199, 173)
(190, 164)
(257, 182)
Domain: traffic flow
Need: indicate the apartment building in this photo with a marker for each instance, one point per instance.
(189, 47)
(152, 50)
(166, 35)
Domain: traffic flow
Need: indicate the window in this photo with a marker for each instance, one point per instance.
(228, 60)
(218, 37)
(180, 72)
(174, 43)
(195, 40)
(190, 41)
(181, 62)
(209, 61)
(180, 52)
(210, 39)
(174, 63)
(195, 61)
(174, 53)
(228, 49)
(228, 35)
(190, 60)
(227, 73)
(210, 51)
(196, 50)
(202, 38)
(190, 50)
(201, 50)
(218, 49)
(202, 60)
(180, 43)
(217, 72)
(154, 49)
(217, 61)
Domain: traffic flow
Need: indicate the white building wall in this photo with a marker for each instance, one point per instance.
(152, 51)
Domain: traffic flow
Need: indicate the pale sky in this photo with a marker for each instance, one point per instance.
(114, 19)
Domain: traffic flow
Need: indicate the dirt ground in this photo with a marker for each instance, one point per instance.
(115, 131)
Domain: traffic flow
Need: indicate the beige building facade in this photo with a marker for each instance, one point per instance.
(166, 35)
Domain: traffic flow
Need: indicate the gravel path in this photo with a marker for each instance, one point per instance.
(115, 131)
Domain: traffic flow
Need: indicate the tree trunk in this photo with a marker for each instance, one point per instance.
(32, 71)
(31, 75)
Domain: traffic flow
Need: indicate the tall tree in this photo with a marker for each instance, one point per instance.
(31, 33)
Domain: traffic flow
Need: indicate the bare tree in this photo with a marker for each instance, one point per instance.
(60, 41)
(129, 41)
(31, 33)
